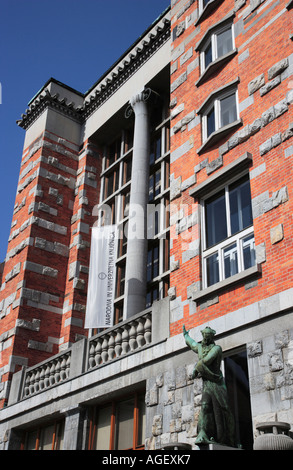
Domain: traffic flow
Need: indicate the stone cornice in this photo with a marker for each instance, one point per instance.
(127, 66)
(120, 72)
(45, 100)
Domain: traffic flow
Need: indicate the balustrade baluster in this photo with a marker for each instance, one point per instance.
(26, 387)
(58, 370)
(37, 380)
(111, 344)
(42, 378)
(98, 350)
(68, 362)
(105, 354)
(118, 342)
(140, 332)
(32, 382)
(63, 368)
(148, 329)
(125, 339)
(132, 336)
(52, 373)
(47, 376)
(92, 361)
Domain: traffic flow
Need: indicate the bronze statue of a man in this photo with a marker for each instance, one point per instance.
(215, 423)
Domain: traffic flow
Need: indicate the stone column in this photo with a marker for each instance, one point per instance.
(136, 261)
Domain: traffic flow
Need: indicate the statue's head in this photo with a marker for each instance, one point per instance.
(208, 334)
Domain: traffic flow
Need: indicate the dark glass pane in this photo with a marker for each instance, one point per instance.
(224, 42)
(228, 110)
(230, 260)
(211, 126)
(157, 182)
(141, 420)
(249, 252)
(155, 261)
(110, 183)
(237, 381)
(212, 265)
(240, 206)
(208, 55)
(216, 221)
(149, 265)
(151, 187)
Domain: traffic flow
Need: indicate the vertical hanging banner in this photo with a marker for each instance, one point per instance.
(102, 277)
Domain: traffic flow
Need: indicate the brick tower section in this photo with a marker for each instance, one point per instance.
(261, 67)
(44, 280)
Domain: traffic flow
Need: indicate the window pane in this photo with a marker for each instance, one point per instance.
(149, 265)
(216, 221)
(124, 419)
(59, 437)
(157, 182)
(31, 439)
(208, 56)
(46, 439)
(211, 122)
(156, 261)
(212, 265)
(224, 42)
(141, 420)
(151, 187)
(230, 260)
(237, 381)
(248, 251)
(240, 206)
(102, 438)
(228, 110)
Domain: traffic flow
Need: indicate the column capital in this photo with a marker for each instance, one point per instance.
(141, 97)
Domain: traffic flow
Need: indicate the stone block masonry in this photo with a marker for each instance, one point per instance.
(57, 190)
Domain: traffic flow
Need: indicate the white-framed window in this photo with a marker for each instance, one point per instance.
(220, 112)
(203, 4)
(219, 43)
(227, 232)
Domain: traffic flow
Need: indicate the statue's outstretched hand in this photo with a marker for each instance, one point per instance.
(185, 332)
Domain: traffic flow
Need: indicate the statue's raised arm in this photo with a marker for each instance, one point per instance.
(189, 341)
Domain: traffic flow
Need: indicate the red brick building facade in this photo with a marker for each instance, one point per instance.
(220, 146)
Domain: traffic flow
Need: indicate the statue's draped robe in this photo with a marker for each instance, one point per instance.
(216, 423)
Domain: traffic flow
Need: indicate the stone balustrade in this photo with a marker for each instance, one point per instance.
(123, 338)
(114, 343)
(47, 374)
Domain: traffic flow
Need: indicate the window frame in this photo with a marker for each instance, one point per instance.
(212, 39)
(114, 404)
(204, 11)
(216, 104)
(57, 435)
(159, 165)
(228, 241)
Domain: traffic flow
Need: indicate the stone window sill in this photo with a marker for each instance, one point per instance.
(219, 134)
(227, 283)
(212, 67)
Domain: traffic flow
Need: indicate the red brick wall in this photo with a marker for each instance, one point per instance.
(42, 310)
(264, 34)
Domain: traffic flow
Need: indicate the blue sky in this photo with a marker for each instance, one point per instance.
(74, 41)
